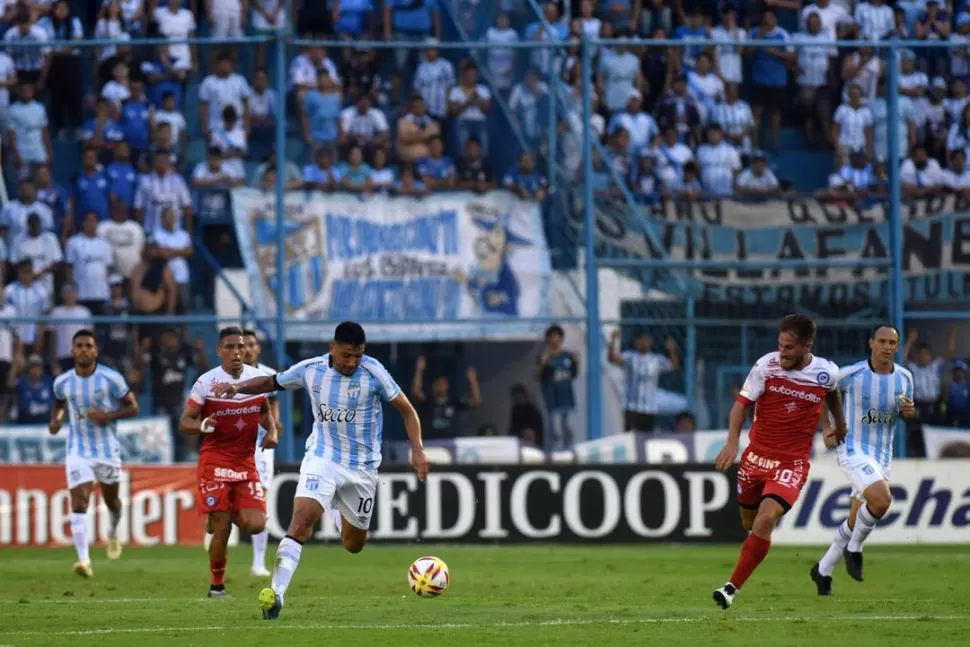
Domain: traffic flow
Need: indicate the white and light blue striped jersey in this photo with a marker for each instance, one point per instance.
(348, 421)
(104, 389)
(871, 407)
(269, 372)
(643, 371)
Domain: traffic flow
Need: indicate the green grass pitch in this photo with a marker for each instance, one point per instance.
(508, 595)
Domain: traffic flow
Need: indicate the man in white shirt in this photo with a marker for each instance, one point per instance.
(213, 179)
(433, 79)
(67, 319)
(125, 236)
(175, 244)
(161, 188)
(31, 300)
(364, 126)
(757, 181)
(830, 13)
(812, 66)
(224, 88)
(958, 175)
(42, 249)
(89, 259)
(177, 23)
(13, 218)
(9, 349)
(920, 175)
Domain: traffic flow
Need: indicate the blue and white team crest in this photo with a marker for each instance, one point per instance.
(492, 279)
(353, 391)
(304, 265)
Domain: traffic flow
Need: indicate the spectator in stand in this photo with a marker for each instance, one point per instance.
(34, 394)
(213, 179)
(408, 184)
(170, 365)
(770, 76)
(322, 108)
(110, 27)
(920, 175)
(382, 176)
(646, 183)
(434, 77)
(161, 188)
(118, 89)
(42, 249)
(168, 114)
(101, 132)
(693, 30)
(64, 79)
(137, 117)
(115, 345)
(294, 175)
(654, 15)
(66, 320)
(854, 180)
(267, 17)
(672, 156)
(556, 370)
(640, 125)
(177, 23)
(25, 44)
(8, 80)
(928, 391)
(322, 176)
(643, 369)
(473, 171)
(680, 110)
(262, 108)
(412, 21)
(852, 126)
(525, 180)
(88, 259)
(958, 175)
(29, 300)
(958, 397)
(305, 72)
(90, 193)
(501, 60)
(126, 238)
(230, 138)
(361, 74)
(122, 178)
(935, 119)
(736, 119)
(812, 66)
(685, 423)
(15, 216)
(876, 20)
(55, 197)
(355, 19)
(415, 130)
(29, 138)
(364, 126)
(525, 419)
(933, 24)
(705, 85)
(831, 15)
(727, 58)
(619, 72)
(163, 143)
(9, 351)
(437, 171)
(226, 18)
(469, 103)
(719, 162)
(440, 414)
(355, 173)
(175, 246)
(153, 291)
(163, 78)
(757, 181)
(220, 90)
(528, 101)
(863, 68)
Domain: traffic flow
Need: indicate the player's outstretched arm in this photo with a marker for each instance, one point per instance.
(833, 400)
(725, 458)
(252, 386)
(412, 424)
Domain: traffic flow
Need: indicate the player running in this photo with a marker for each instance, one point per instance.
(229, 487)
(787, 388)
(877, 392)
(94, 398)
(343, 452)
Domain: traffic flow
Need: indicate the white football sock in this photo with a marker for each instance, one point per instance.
(259, 549)
(287, 559)
(832, 556)
(79, 529)
(115, 517)
(864, 523)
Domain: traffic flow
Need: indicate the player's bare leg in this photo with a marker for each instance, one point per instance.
(306, 514)
(878, 500)
(754, 550)
(113, 503)
(352, 537)
(821, 572)
(80, 495)
(220, 522)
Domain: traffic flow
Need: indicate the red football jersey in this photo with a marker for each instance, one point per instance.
(787, 405)
(227, 454)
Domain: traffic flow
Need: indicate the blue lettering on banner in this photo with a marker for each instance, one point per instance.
(417, 299)
(350, 237)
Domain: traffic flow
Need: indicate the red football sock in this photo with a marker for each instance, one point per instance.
(218, 572)
(753, 552)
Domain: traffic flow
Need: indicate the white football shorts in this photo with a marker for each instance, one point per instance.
(88, 470)
(334, 486)
(862, 471)
(265, 466)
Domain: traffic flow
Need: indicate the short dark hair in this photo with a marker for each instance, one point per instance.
(801, 326)
(84, 332)
(230, 331)
(555, 329)
(248, 333)
(877, 327)
(349, 332)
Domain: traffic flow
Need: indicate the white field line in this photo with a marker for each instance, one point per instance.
(562, 622)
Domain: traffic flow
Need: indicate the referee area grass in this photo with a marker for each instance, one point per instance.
(499, 595)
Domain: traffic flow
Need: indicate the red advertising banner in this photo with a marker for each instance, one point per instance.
(159, 507)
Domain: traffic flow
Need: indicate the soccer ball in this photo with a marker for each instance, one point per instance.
(428, 577)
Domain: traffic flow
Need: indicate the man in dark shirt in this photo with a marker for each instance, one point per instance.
(439, 413)
(170, 365)
(34, 394)
(556, 370)
(474, 173)
(525, 419)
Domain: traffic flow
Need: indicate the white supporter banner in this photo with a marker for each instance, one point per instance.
(938, 439)
(931, 505)
(144, 441)
(444, 258)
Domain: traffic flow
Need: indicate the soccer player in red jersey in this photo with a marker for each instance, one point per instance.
(229, 486)
(787, 388)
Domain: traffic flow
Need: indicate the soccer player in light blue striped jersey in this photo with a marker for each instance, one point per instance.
(93, 398)
(876, 393)
(339, 470)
